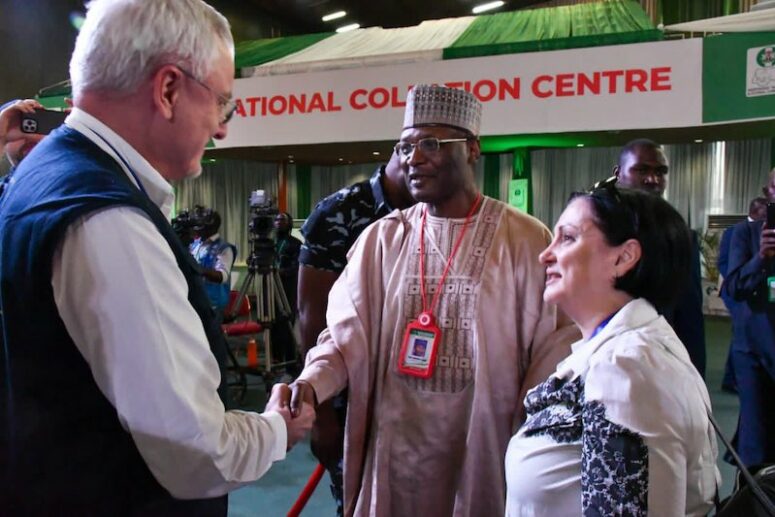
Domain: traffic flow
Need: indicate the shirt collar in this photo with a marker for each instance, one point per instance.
(376, 187)
(158, 189)
(636, 313)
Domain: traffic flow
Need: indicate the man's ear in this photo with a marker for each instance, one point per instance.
(167, 83)
(629, 255)
(616, 170)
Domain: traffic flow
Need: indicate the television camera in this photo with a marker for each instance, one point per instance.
(260, 228)
(189, 223)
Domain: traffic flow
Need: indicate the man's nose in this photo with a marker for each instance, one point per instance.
(416, 156)
(221, 132)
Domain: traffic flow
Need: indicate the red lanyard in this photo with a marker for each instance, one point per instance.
(429, 310)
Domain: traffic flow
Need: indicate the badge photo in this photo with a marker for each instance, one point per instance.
(418, 350)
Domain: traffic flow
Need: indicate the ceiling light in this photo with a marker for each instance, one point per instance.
(341, 159)
(579, 145)
(489, 6)
(347, 28)
(698, 141)
(375, 153)
(334, 16)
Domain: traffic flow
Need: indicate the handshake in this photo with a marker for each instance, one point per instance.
(296, 404)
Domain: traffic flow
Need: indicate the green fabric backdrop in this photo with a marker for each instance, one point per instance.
(573, 26)
(258, 52)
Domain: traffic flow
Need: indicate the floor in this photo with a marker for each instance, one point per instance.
(275, 493)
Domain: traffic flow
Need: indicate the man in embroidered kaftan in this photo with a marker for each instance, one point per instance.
(435, 446)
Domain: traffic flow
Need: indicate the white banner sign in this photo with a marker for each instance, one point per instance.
(638, 86)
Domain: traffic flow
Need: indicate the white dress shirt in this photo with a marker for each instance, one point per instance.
(124, 302)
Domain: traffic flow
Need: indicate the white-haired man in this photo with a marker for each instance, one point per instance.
(109, 384)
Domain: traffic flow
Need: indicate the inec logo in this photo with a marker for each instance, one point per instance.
(760, 71)
(766, 57)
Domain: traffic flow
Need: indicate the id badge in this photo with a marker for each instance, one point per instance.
(419, 348)
(771, 289)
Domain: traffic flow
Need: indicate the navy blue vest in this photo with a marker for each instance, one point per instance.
(62, 448)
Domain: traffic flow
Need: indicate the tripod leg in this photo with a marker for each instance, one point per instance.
(265, 314)
(284, 308)
(246, 284)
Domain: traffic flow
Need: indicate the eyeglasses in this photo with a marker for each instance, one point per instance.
(608, 186)
(426, 145)
(226, 105)
(606, 190)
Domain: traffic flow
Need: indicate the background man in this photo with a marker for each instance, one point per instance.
(643, 166)
(287, 249)
(751, 267)
(757, 211)
(109, 384)
(464, 268)
(287, 263)
(329, 233)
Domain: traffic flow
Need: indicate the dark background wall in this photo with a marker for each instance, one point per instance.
(37, 38)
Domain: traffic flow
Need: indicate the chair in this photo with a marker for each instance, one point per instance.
(240, 308)
(237, 308)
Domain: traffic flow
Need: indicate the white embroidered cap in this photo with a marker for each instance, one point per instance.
(433, 105)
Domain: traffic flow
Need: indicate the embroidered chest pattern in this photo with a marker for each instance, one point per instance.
(457, 309)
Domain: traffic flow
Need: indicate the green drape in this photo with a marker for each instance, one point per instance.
(492, 176)
(679, 11)
(523, 169)
(258, 52)
(303, 190)
(772, 153)
(581, 25)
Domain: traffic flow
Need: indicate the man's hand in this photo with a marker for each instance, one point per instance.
(11, 119)
(767, 243)
(297, 426)
(301, 393)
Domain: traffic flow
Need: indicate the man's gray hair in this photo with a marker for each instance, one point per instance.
(122, 42)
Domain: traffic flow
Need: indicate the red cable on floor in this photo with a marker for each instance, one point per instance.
(306, 493)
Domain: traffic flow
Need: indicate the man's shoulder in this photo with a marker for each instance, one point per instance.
(746, 229)
(518, 223)
(358, 195)
(344, 212)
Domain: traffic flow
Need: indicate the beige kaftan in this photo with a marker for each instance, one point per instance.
(436, 446)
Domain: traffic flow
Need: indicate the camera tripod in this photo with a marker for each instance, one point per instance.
(273, 311)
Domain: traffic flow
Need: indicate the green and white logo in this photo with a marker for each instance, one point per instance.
(760, 71)
(766, 57)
